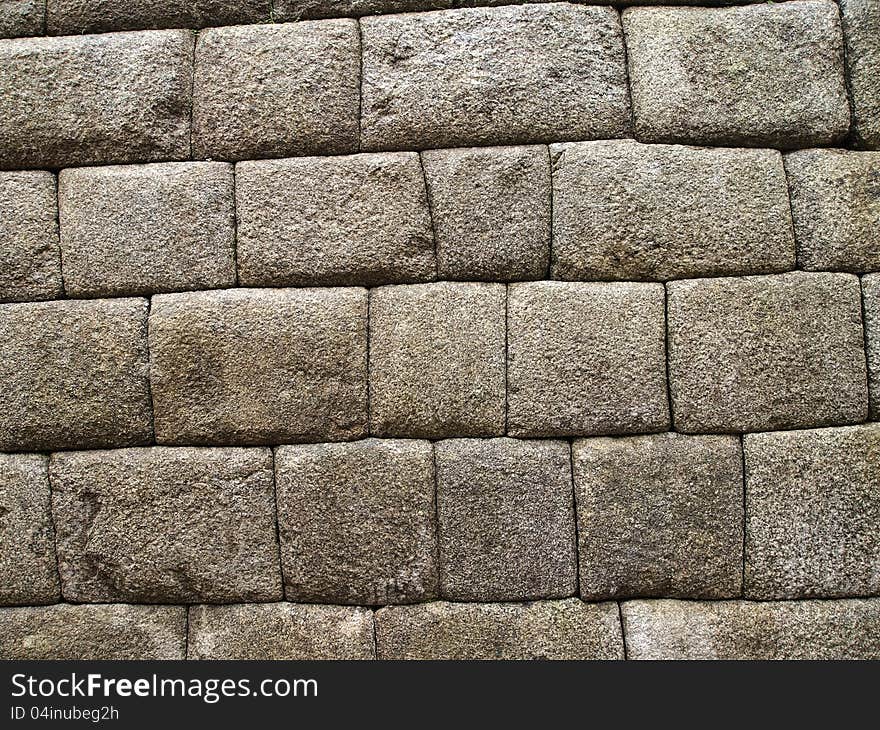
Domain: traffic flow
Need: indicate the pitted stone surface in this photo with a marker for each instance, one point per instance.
(21, 18)
(166, 525)
(290, 10)
(871, 295)
(357, 522)
(861, 28)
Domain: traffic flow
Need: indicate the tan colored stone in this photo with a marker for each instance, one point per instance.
(861, 28)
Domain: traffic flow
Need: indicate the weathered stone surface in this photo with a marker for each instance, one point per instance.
(157, 525)
(139, 229)
(813, 513)
(491, 212)
(93, 632)
(21, 18)
(566, 629)
(746, 630)
(861, 28)
(276, 90)
(280, 631)
(624, 210)
(357, 522)
(766, 352)
(30, 264)
(330, 221)
(259, 366)
(766, 74)
(289, 10)
(659, 515)
(835, 202)
(437, 360)
(74, 374)
(506, 520)
(81, 100)
(27, 559)
(586, 359)
(509, 75)
(871, 294)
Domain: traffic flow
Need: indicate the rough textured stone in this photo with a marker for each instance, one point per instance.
(357, 522)
(93, 632)
(74, 375)
(659, 516)
(745, 630)
(156, 525)
(566, 629)
(835, 201)
(81, 100)
(288, 10)
(139, 229)
(359, 219)
(280, 631)
(437, 360)
(509, 75)
(27, 560)
(766, 352)
(861, 28)
(586, 359)
(871, 294)
(21, 18)
(624, 210)
(276, 90)
(766, 74)
(813, 513)
(259, 366)
(491, 212)
(30, 264)
(506, 520)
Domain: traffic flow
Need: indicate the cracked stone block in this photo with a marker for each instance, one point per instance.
(277, 90)
(333, 221)
(139, 229)
(74, 375)
(483, 76)
(290, 10)
(861, 28)
(115, 632)
(625, 210)
(98, 99)
(744, 630)
(437, 360)
(586, 359)
(22, 18)
(280, 631)
(506, 520)
(509, 240)
(166, 525)
(357, 522)
(567, 629)
(871, 295)
(30, 264)
(766, 352)
(27, 561)
(835, 201)
(261, 366)
(813, 513)
(659, 515)
(768, 74)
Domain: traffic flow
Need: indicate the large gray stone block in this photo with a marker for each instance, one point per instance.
(871, 303)
(22, 18)
(861, 28)
(289, 10)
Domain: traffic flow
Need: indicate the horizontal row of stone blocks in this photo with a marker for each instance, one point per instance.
(765, 75)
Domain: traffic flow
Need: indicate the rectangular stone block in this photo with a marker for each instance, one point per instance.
(116, 632)
(766, 352)
(166, 525)
(768, 74)
(835, 202)
(509, 75)
(556, 630)
(334, 221)
(742, 630)
(871, 303)
(22, 18)
(659, 516)
(84, 100)
(861, 29)
(437, 360)
(259, 366)
(277, 90)
(139, 229)
(30, 261)
(586, 359)
(813, 513)
(74, 375)
(290, 10)
(624, 210)
(491, 212)
(506, 520)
